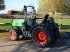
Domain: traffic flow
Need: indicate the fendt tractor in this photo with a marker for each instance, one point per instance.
(41, 34)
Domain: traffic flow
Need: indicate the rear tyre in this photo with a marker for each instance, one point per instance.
(41, 35)
(14, 34)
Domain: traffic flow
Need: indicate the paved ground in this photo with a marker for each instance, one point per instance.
(62, 45)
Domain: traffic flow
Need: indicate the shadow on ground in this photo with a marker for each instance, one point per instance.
(60, 45)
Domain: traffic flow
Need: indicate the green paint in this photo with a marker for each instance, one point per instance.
(17, 22)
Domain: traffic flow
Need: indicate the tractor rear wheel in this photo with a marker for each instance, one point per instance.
(41, 35)
(14, 34)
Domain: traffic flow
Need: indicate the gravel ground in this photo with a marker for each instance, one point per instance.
(6, 45)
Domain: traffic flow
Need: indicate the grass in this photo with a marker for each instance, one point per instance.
(63, 21)
(5, 27)
(4, 34)
(5, 20)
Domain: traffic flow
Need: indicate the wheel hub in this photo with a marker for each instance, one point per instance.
(12, 34)
(40, 36)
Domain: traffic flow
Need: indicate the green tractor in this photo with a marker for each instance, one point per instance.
(41, 34)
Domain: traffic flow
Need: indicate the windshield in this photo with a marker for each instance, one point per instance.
(29, 10)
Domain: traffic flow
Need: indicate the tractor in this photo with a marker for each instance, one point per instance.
(41, 34)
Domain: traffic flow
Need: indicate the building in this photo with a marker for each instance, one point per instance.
(13, 12)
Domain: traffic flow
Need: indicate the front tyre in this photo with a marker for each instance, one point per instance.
(14, 34)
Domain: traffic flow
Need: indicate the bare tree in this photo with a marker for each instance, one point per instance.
(42, 6)
(54, 6)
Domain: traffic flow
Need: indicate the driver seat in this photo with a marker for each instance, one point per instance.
(29, 22)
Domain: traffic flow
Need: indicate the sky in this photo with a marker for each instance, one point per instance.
(18, 5)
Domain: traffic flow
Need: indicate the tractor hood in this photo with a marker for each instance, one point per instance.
(17, 22)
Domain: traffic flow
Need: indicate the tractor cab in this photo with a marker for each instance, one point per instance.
(29, 19)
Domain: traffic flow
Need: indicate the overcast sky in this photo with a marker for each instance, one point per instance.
(18, 4)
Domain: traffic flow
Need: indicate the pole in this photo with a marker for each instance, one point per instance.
(60, 23)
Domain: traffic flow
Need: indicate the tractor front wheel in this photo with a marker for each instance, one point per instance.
(14, 34)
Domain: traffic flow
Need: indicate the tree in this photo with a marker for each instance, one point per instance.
(2, 6)
(54, 6)
(58, 5)
(42, 6)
